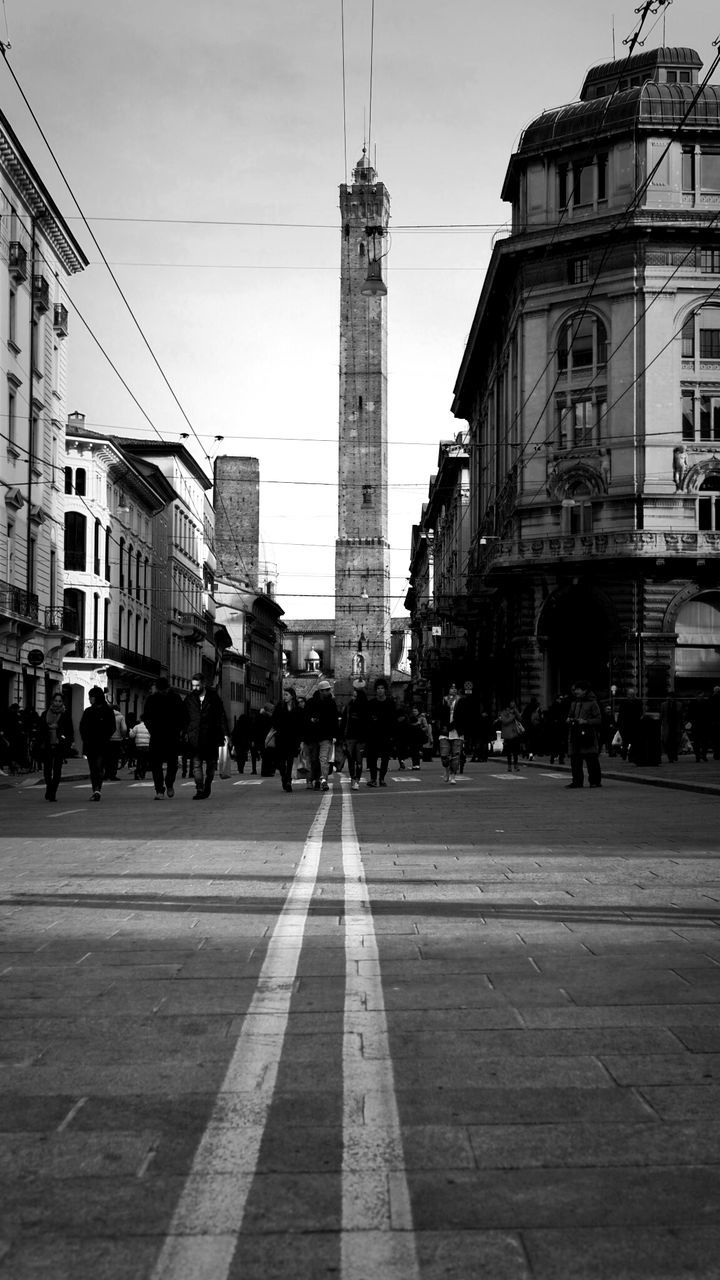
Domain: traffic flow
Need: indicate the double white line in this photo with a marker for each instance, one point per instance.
(376, 1236)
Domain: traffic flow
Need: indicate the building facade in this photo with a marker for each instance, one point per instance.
(362, 553)
(590, 385)
(37, 252)
(111, 554)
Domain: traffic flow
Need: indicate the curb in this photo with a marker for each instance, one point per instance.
(644, 779)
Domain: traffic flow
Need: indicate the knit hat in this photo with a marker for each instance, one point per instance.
(324, 684)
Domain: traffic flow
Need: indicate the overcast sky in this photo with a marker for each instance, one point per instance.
(231, 111)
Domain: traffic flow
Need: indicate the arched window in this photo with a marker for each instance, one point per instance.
(80, 479)
(108, 537)
(698, 639)
(581, 399)
(577, 508)
(138, 562)
(68, 480)
(121, 563)
(75, 541)
(130, 569)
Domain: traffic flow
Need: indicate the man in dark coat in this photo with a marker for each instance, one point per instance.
(97, 726)
(165, 718)
(207, 729)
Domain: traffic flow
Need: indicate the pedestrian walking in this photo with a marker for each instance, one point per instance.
(584, 724)
(166, 719)
(454, 721)
(55, 734)
(286, 722)
(97, 726)
(354, 723)
(512, 731)
(382, 717)
(114, 748)
(207, 729)
(320, 728)
(241, 740)
(139, 736)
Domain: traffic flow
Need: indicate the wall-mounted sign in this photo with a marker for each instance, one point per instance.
(437, 631)
(35, 657)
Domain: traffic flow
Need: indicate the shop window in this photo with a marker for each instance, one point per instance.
(708, 504)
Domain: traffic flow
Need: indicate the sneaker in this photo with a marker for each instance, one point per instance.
(370, 783)
(451, 779)
(354, 786)
(324, 785)
(170, 793)
(415, 766)
(159, 795)
(382, 783)
(200, 795)
(95, 795)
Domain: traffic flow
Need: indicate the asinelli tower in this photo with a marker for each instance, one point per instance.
(362, 552)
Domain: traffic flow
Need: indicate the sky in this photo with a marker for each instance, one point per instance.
(205, 144)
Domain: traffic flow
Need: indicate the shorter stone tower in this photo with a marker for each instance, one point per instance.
(237, 518)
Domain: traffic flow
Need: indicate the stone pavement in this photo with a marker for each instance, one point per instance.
(420, 1033)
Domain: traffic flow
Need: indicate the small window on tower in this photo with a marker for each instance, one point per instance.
(361, 249)
(367, 495)
(360, 402)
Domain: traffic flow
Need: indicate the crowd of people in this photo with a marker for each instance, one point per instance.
(310, 738)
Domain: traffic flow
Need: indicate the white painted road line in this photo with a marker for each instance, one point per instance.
(204, 1231)
(377, 1229)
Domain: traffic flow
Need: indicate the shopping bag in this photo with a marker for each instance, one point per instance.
(224, 766)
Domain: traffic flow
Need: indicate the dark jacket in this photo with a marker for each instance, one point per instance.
(288, 725)
(64, 730)
(165, 716)
(355, 719)
(382, 721)
(97, 726)
(206, 723)
(321, 721)
(584, 721)
(461, 716)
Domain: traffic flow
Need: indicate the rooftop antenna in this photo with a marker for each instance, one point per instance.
(613, 35)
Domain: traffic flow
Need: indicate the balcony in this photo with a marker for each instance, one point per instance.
(41, 294)
(60, 320)
(15, 603)
(19, 612)
(195, 628)
(18, 261)
(61, 620)
(111, 654)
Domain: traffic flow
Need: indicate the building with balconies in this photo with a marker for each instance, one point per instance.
(590, 385)
(114, 559)
(37, 253)
(437, 597)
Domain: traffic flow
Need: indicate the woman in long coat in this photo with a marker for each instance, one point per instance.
(55, 735)
(286, 721)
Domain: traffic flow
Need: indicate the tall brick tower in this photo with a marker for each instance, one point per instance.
(362, 552)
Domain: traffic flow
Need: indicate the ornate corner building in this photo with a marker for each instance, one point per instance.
(590, 385)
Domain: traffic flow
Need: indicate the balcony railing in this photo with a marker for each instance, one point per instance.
(108, 651)
(196, 626)
(18, 260)
(40, 293)
(18, 604)
(60, 320)
(61, 619)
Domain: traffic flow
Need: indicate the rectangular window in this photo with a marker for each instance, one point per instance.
(709, 417)
(705, 514)
(583, 184)
(688, 340)
(581, 518)
(602, 163)
(710, 261)
(688, 170)
(12, 415)
(710, 172)
(688, 415)
(710, 344)
(12, 317)
(562, 186)
(579, 270)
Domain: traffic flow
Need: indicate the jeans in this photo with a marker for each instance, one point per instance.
(160, 755)
(96, 765)
(355, 751)
(203, 772)
(319, 759)
(451, 753)
(378, 754)
(52, 769)
(593, 769)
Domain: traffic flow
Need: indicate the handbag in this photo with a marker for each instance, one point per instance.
(270, 740)
(224, 769)
(520, 728)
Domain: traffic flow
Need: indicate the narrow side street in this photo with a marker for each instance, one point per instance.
(419, 1033)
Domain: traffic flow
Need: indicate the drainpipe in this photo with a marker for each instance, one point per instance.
(31, 450)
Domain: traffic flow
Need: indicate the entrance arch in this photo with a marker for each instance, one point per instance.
(575, 630)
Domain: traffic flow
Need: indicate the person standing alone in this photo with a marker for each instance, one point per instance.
(97, 726)
(584, 724)
(55, 737)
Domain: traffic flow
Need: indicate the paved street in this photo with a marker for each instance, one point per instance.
(406, 1034)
